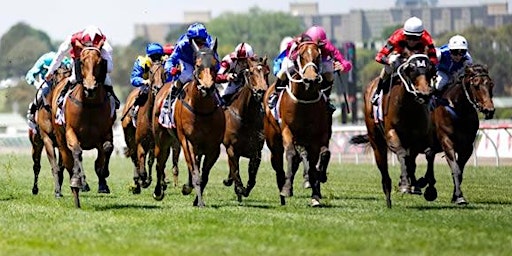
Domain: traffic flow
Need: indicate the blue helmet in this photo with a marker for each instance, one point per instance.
(197, 30)
(154, 48)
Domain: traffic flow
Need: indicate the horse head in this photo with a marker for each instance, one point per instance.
(417, 73)
(157, 76)
(478, 85)
(205, 67)
(255, 77)
(308, 63)
(93, 70)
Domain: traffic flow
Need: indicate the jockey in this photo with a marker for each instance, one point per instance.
(453, 58)
(140, 72)
(184, 54)
(35, 76)
(226, 73)
(91, 36)
(412, 36)
(168, 49)
(332, 61)
(282, 54)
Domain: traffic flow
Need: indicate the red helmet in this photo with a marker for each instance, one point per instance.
(168, 49)
(91, 36)
(316, 33)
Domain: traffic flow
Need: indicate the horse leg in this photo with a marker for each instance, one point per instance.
(162, 151)
(410, 161)
(380, 152)
(325, 157)
(37, 149)
(254, 164)
(50, 153)
(77, 176)
(457, 174)
(101, 166)
(209, 161)
(429, 178)
(295, 167)
(141, 166)
(310, 168)
(176, 149)
(234, 173)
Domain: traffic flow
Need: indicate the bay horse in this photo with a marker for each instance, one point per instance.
(200, 125)
(304, 126)
(243, 136)
(44, 137)
(456, 125)
(406, 129)
(89, 116)
(139, 138)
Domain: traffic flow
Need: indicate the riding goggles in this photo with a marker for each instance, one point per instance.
(458, 52)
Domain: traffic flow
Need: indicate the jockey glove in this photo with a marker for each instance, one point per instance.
(392, 58)
(174, 71)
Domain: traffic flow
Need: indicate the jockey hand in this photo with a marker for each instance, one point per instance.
(146, 82)
(392, 58)
(48, 77)
(175, 71)
(338, 66)
(232, 76)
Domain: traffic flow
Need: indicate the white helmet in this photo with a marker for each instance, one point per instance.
(284, 43)
(413, 27)
(244, 50)
(91, 31)
(458, 42)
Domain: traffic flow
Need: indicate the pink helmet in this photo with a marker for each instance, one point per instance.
(316, 33)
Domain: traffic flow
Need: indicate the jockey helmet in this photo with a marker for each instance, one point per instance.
(168, 49)
(458, 42)
(244, 50)
(284, 43)
(90, 33)
(316, 33)
(413, 27)
(197, 30)
(154, 49)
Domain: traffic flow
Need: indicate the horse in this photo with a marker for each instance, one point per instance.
(456, 125)
(89, 117)
(44, 137)
(200, 125)
(243, 136)
(304, 128)
(406, 127)
(139, 139)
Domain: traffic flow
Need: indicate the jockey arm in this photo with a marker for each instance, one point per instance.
(431, 49)
(223, 74)
(330, 50)
(106, 53)
(61, 52)
(383, 55)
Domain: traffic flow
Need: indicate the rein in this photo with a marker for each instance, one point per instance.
(473, 102)
(409, 86)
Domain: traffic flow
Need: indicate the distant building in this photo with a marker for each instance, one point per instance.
(364, 26)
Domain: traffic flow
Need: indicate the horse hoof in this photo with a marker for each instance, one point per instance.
(422, 182)
(186, 190)
(415, 190)
(228, 182)
(283, 200)
(35, 191)
(75, 183)
(146, 184)
(58, 195)
(159, 197)
(307, 184)
(136, 190)
(430, 193)
(460, 201)
(239, 197)
(315, 203)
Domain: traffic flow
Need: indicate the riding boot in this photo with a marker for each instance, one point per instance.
(32, 108)
(376, 95)
(110, 90)
(175, 91)
(327, 88)
(272, 100)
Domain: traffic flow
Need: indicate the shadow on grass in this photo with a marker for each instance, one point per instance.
(7, 198)
(490, 202)
(444, 207)
(125, 206)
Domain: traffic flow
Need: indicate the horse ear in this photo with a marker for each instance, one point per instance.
(214, 45)
(194, 46)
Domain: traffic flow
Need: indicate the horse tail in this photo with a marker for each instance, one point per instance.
(359, 139)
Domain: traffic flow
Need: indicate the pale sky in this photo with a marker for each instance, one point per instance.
(59, 18)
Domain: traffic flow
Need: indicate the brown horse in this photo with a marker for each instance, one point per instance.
(456, 125)
(200, 126)
(45, 138)
(244, 125)
(139, 139)
(88, 123)
(406, 128)
(304, 126)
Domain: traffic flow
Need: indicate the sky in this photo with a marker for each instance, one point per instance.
(60, 18)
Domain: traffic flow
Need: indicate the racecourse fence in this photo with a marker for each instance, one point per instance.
(493, 145)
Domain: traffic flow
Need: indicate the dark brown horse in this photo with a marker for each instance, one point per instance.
(200, 125)
(406, 128)
(139, 139)
(456, 125)
(244, 124)
(45, 138)
(88, 123)
(303, 129)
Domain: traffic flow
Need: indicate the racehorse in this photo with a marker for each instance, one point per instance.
(244, 124)
(44, 137)
(304, 126)
(406, 128)
(139, 139)
(456, 125)
(200, 125)
(89, 116)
